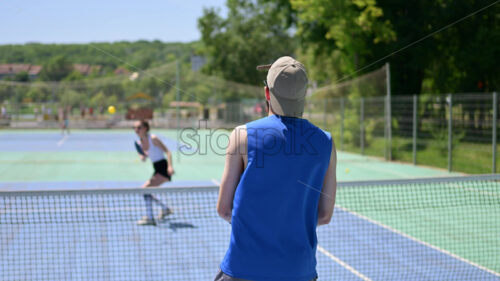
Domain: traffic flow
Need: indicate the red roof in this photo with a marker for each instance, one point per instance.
(82, 68)
(35, 69)
(121, 70)
(86, 69)
(13, 68)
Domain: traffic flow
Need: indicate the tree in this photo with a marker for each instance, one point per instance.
(73, 76)
(341, 34)
(70, 98)
(340, 37)
(252, 34)
(56, 69)
(22, 76)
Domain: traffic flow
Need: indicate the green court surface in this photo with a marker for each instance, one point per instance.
(462, 218)
(457, 219)
(109, 155)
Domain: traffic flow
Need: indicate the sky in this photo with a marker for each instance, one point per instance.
(83, 21)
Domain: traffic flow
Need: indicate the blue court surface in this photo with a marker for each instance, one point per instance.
(93, 236)
(86, 236)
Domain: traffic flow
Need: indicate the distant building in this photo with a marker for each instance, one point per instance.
(197, 62)
(87, 69)
(11, 70)
(121, 71)
(34, 71)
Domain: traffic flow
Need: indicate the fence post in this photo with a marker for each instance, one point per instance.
(450, 131)
(389, 114)
(362, 126)
(342, 123)
(177, 109)
(415, 103)
(388, 125)
(494, 137)
(385, 129)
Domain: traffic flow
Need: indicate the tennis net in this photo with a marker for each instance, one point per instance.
(422, 229)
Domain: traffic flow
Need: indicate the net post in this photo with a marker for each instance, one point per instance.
(342, 105)
(362, 126)
(494, 135)
(415, 104)
(450, 131)
(389, 114)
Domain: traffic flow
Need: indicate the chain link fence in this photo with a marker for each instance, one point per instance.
(457, 132)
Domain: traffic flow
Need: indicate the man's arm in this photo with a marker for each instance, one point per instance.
(233, 169)
(327, 198)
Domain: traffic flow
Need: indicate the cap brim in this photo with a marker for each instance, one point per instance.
(264, 67)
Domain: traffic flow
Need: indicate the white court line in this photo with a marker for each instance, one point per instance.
(59, 143)
(421, 242)
(343, 264)
(216, 182)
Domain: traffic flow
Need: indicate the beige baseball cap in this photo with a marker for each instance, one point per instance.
(287, 82)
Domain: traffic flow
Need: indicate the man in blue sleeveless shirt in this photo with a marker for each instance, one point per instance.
(278, 185)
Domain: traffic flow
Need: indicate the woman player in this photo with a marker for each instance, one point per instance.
(154, 148)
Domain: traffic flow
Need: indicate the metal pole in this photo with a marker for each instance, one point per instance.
(178, 98)
(494, 137)
(450, 131)
(53, 102)
(362, 126)
(342, 123)
(386, 156)
(415, 103)
(389, 114)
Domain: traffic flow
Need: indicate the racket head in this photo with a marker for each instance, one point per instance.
(139, 148)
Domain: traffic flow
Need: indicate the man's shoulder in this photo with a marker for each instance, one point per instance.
(320, 131)
(240, 133)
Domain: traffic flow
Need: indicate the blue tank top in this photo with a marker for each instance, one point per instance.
(275, 207)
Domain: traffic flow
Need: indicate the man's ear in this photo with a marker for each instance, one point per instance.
(268, 96)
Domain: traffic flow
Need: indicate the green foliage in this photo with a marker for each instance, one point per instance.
(112, 100)
(99, 99)
(70, 98)
(340, 37)
(37, 94)
(253, 33)
(340, 34)
(21, 77)
(352, 123)
(73, 76)
(131, 55)
(56, 69)
(167, 98)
